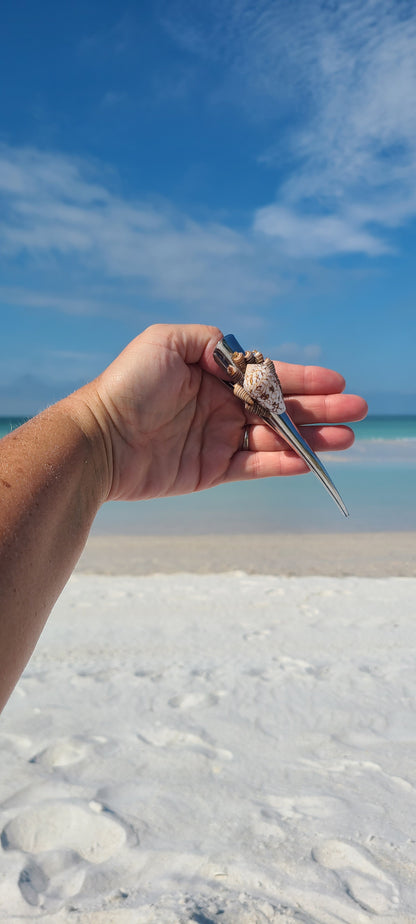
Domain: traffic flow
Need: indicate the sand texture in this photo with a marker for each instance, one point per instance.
(214, 748)
(332, 554)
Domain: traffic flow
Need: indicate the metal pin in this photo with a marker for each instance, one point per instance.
(280, 422)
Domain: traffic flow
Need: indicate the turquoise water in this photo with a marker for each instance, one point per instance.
(376, 478)
(7, 424)
(386, 427)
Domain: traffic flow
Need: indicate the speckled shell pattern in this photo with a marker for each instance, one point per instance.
(262, 384)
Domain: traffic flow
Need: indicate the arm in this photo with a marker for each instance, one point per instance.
(53, 479)
(156, 422)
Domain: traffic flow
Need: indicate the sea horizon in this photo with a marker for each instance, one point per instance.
(376, 478)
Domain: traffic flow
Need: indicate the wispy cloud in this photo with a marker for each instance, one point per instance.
(54, 208)
(342, 75)
(317, 235)
(56, 301)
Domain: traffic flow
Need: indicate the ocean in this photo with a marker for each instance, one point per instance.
(376, 478)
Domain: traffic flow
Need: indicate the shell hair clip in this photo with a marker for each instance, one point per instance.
(254, 381)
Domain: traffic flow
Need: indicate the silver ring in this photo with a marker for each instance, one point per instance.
(245, 439)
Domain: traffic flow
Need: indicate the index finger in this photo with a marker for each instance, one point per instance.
(309, 380)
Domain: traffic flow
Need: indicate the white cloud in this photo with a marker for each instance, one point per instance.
(316, 235)
(360, 134)
(342, 74)
(57, 301)
(53, 208)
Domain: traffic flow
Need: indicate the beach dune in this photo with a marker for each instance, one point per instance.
(234, 747)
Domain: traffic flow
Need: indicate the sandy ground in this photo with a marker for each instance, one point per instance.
(233, 747)
(332, 554)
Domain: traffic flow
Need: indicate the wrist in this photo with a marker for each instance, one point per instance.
(86, 410)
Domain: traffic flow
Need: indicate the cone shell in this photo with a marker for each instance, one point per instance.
(262, 384)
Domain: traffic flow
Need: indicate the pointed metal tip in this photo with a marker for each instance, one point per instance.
(341, 505)
(290, 433)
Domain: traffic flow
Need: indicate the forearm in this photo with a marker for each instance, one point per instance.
(53, 478)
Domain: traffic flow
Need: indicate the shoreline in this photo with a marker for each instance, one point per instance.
(378, 554)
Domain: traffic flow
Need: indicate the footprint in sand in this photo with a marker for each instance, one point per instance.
(59, 875)
(164, 737)
(61, 753)
(50, 789)
(362, 880)
(64, 826)
(193, 700)
(305, 806)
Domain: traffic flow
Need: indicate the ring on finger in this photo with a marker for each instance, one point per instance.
(245, 445)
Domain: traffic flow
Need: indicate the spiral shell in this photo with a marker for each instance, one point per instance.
(240, 362)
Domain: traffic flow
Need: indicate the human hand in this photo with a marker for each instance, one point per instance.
(170, 426)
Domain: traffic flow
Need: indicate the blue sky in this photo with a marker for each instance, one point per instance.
(247, 164)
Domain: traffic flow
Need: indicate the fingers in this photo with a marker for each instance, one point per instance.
(321, 409)
(320, 439)
(326, 408)
(268, 454)
(193, 342)
(295, 379)
(252, 465)
(309, 380)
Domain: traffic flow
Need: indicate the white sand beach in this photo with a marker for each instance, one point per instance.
(233, 746)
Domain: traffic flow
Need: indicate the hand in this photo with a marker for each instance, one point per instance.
(158, 421)
(171, 427)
